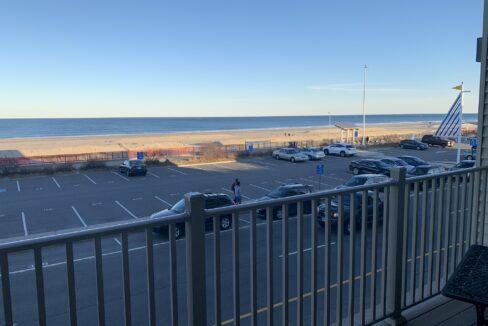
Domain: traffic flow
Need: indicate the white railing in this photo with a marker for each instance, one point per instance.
(378, 250)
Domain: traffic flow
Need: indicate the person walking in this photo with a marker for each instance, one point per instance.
(237, 193)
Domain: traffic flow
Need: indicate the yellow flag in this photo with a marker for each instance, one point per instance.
(459, 87)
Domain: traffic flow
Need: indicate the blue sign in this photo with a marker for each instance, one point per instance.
(250, 148)
(320, 169)
(356, 133)
(140, 155)
(473, 142)
(3, 190)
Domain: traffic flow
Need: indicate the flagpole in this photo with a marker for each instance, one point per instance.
(458, 159)
(364, 100)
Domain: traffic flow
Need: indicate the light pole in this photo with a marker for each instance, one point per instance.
(364, 100)
(328, 129)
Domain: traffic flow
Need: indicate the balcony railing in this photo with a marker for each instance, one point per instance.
(355, 256)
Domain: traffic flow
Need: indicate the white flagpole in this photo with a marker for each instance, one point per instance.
(460, 126)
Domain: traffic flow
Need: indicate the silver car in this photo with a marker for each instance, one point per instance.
(364, 179)
(290, 154)
(313, 153)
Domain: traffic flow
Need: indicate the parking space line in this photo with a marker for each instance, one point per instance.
(18, 185)
(259, 187)
(177, 171)
(56, 182)
(308, 249)
(118, 242)
(163, 201)
(90, 179)
(24, 224)
(118, 174)
(125, 209)
(230, 191)
(154, 175)
(79, 216)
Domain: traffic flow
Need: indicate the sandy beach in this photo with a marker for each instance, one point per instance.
(16, 147)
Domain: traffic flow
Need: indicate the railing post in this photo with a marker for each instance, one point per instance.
(195, 259)
(394, 266)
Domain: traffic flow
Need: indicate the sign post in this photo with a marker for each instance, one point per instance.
(320, 170)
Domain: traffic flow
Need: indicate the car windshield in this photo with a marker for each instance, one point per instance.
(279, 192)
(414, 160)
(179, 207)
(358, 181)
(349, 146)
(381, 164)
(316, 150)
(136, 163)
(400, 163)
(347, 199)
(293, 151)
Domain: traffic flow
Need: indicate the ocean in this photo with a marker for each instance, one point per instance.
(26, 128)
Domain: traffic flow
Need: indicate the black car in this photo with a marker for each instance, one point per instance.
(413, 160)
(358, 211)
(369, 166)
(133, 167)
(284, 191)
(412, 144)
(464, 164)
(422, 170)
(212, 200)
(432, 140)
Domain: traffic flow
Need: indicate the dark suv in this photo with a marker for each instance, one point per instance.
(132, 167)
(212, 200)
(432, 140)
(284, 191)
(369, 166)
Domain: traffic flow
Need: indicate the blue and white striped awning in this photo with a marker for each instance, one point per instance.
(450, 125)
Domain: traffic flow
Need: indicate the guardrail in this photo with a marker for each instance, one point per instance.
(355, 256)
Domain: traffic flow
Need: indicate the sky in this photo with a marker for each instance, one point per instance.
(92, 58)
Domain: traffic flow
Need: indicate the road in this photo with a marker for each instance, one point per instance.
(38, 204)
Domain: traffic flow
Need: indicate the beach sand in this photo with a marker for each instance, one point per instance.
(16, 147)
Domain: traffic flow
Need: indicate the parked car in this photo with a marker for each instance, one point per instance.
(464, 164)
(340, 149)
(313, 153)
(369, 166)
(363, 180)
(422, 170)
(396, 162)
(333, 214)
(432, 140)
(413, 160)
(133, 167)
(471, 154)
(284, 191)
(412, 144)
(291, 154)
(212, 200)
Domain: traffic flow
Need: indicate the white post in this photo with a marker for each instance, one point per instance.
(364, 101)
(458, 159)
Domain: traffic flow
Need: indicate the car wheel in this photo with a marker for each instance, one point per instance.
(343, 154)
(418, 148)
(469, 157)
(225, 223)
(292, 160)
(326, 151)
(443, 146)
(178, 231)
(347, 227)
(310, 157)
(321, 224)
(355, 171)
(277, 157)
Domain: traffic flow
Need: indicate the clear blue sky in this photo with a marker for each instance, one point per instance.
(94, 58)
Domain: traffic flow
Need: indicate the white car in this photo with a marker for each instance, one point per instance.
(313, 153)
(290, 154)
(340, 149)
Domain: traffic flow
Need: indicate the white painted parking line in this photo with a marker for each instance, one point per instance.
(259, 187)
(230, 191)
(93, 181)
(154, 175)
(178, 171)
(279, 182)
(163, 201)
(224, 167)
(24, 224)
(118, 242)
(79, 216)
(125, 209)
(18, 185)
(308, 249)
(119, 175)
(56, 182)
